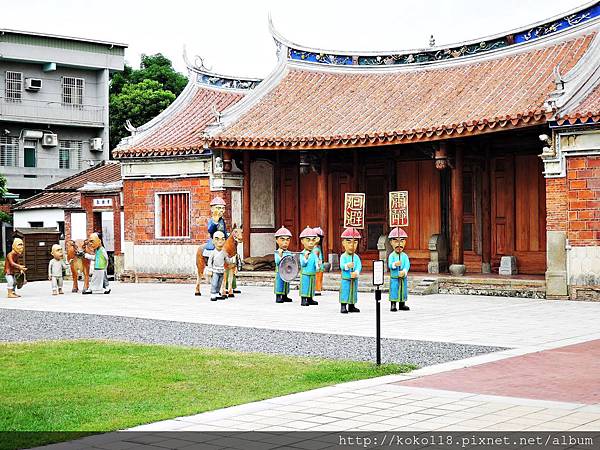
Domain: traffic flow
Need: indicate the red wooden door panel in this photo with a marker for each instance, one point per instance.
(288, 198)
(422, 181)
(340, 183)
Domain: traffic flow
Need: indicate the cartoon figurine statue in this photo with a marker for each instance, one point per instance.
(351, 267)
(282, 288)
(56, 268)
(309, 265)
(99, 281)
(399, 265)
(215, 223)
(319, 252)
(216, 265)
(13, 270)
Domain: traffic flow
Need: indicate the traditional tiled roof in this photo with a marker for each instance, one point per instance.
(105, 172)
(317, 106)
(178, 130)
(588, 111)
(65, 193)
(60, 200)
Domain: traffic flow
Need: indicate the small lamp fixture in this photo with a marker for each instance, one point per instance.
(441, 158)
(304, 163)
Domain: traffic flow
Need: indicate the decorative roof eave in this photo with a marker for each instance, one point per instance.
(160, 152)
(206, 77)
(464, 129)
(588, 118)
(542, 29)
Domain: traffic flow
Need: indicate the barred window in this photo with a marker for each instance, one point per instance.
(69, 154)
(9, 151)
(13, 88)
(30, 153)
(173, 214)
(72, 90)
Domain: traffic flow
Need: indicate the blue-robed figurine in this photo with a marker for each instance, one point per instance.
(351, 267)
(309, 265)
(399, 265)
(282, 288)
(215, 223)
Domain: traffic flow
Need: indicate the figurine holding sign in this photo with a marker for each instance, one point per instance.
(309, 264)
(282, 288)
(351, 267)
(399, 265)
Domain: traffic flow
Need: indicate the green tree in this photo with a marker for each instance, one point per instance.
(139, 103)
(3, 187)
(134, 99)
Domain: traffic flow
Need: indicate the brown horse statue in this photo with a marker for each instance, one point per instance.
(230, 247)
(78, 263)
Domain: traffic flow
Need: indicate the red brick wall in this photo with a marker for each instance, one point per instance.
(573, 203)
(138, 199)
(583, 176)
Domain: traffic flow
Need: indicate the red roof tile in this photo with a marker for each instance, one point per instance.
(586, 111)
(49, 199)
(318, 108)
(181, 131)
(105, 172)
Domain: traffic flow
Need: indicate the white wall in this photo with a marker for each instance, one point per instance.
(48, 216)
(78, 226)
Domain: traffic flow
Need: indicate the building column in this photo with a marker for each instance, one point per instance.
(246, 204)
(456, 235)
(322, 196)
(486, 217)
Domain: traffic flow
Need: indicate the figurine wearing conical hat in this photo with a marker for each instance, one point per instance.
(13, 269)
(351, 267)
(309, 265)
(319, 252)
(399, 265)
(282, 288)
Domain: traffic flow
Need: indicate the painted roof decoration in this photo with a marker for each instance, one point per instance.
(178, 130)
(283, 231)
(308, 232)
(66, 194)
(317, 99)
(397, 233)
(351, 233)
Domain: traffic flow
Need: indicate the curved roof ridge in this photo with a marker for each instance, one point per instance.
(573, 18)
(216, 80)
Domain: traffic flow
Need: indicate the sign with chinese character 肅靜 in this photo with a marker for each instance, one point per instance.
(354, 210)
(398, 209)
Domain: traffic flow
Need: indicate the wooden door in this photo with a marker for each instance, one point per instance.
(519, 212)
(530, 215)
(376, 187)
(339, 184)
(288, 202)
(422, 181)
(472, 216)
(307, 201)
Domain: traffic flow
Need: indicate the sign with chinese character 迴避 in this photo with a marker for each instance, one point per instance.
(354, 210)
(399, 209)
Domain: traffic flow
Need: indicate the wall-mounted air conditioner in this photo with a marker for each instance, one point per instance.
(33, 84)
(49, 140)
(96, 144)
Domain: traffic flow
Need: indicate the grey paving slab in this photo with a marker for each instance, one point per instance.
(477, 320)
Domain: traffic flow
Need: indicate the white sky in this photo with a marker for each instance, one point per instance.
(233, 35)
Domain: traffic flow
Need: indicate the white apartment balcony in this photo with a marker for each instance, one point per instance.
(57, 113)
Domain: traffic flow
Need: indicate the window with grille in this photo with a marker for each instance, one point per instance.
(72, 90)
(69, 154)
(9, 151)
(173, 214)
(30, 153)
(13, 86)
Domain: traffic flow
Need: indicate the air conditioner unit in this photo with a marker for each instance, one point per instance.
(49, 140)
(96, 144)
(33, 84)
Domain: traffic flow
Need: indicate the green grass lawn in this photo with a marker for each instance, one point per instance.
(92, 386)
(2, 278)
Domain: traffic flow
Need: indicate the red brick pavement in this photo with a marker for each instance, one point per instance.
(568, 374)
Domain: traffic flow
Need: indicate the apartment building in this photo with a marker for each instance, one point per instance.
(53, 106)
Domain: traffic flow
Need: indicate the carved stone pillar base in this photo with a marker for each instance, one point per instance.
(556, 260)
(457, 270)
(486, 268)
